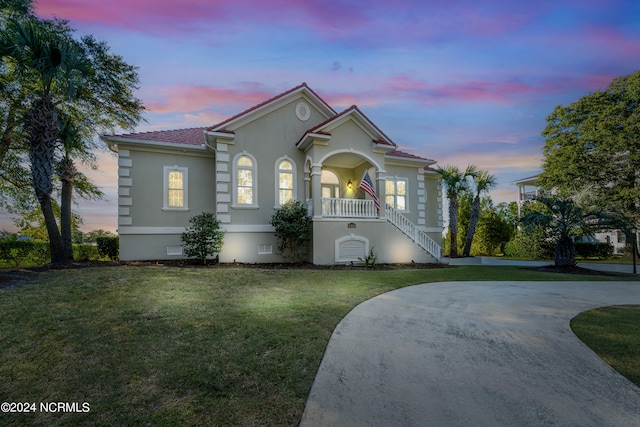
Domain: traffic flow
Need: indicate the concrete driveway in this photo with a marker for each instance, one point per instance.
(473, 354)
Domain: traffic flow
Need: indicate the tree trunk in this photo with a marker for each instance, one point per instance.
(473, 222)
(565, 252)
(67, 172)
(453, 225)
(55, 240)
(42, 126)
(65, 219)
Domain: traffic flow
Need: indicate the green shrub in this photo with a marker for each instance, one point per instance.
(293, 227)
(41, 253)
(108, 247)
(85, 253)
(594, 250)
(15, 251)
(203, 238)
(530, 244)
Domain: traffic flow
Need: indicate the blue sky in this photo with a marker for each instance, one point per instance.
(458, 81)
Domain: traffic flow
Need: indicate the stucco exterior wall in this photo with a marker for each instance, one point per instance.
(268, 139)
(143, 205)
(389, 244)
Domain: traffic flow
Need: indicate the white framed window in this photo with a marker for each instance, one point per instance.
(245, 189)
(175, 188)
(285, 173)
(396, 193)
(265, 249)
(174, 250)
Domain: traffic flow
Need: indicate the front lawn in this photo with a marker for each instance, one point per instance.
(614, 334)
(185, 346)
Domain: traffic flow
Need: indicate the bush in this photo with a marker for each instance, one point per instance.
(530, 244)
(41, 253)
(86, 253)
(108, 247)
(594, 250)
(203, 238)
(15, 251)
(293, 230)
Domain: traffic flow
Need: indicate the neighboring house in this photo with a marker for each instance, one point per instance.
(528, 191)
(291, 147)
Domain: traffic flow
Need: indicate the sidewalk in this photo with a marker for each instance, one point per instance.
(488, 260)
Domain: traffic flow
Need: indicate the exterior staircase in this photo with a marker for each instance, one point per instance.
(413, 232)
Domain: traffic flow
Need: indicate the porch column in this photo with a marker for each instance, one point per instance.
(316, 190)
(382, 193)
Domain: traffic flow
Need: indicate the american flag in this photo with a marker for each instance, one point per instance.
(367, 186)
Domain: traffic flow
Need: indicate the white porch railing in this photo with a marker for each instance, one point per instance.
(413, 232)
(348, 208)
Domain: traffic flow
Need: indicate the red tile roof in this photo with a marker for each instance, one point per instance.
(398, 153)
(191, 136)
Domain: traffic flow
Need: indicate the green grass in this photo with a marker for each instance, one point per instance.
(614, 334)
(186, 346)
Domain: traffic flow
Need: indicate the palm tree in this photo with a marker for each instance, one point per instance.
(56, 64)
(563, 219)
(483, 181)
(67, 172)
(455, 182)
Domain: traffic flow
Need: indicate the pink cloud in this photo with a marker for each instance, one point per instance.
(187, 15)
(465, 91)
(191, 98)
(610, 40)
(379, 20)
(134, 14)
(474, 90)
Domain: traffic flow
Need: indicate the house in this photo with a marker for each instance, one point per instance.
(528, 191)
(293, 146)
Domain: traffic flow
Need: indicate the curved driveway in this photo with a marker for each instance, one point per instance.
(473, 354)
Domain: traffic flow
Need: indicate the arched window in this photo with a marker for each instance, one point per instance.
(285, 181)
(245, 181)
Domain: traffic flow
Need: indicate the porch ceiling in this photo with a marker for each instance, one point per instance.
(345, 160)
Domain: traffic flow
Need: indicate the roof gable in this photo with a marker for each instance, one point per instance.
(299, 92)
(354, 114)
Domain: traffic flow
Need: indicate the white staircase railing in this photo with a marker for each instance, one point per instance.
(411, 230)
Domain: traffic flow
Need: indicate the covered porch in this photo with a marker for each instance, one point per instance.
(333, 187)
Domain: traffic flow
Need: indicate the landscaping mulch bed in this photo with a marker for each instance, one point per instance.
(283, 266)
(13, 277)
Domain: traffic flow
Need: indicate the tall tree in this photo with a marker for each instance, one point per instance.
(593, 144)
(483, 181)
(455, 182)
(60, 75)
(54, 63)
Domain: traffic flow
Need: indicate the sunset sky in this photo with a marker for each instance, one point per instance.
(458, 81)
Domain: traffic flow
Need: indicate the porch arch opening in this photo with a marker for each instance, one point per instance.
(340, 173)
